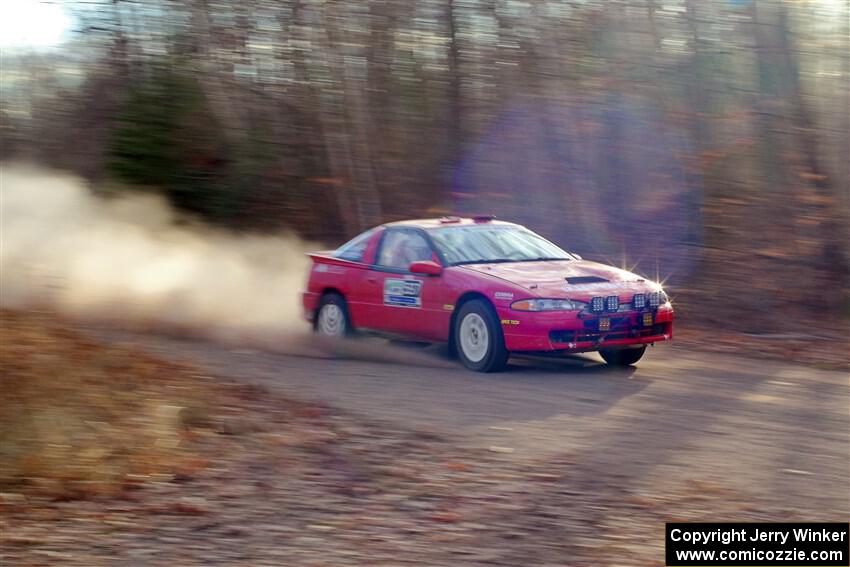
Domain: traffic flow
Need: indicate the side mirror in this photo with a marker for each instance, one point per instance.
(426, 268)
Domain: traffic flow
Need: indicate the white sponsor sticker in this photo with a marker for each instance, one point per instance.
(323, 268)
(403, 293)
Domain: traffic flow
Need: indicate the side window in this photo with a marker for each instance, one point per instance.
(401, 247)
(355, 248)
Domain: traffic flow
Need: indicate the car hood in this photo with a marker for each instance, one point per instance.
(575, 279)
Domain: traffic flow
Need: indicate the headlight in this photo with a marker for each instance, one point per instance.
(547, 305)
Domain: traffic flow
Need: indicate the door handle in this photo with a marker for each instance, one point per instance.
(371, 280)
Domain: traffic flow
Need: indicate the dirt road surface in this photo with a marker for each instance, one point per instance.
(401, 457)
(771, 434)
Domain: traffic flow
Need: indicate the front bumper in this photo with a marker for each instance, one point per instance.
(581, 332)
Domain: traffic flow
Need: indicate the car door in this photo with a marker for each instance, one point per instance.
(405, 303)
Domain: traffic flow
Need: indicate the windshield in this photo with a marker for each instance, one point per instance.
(487, 244)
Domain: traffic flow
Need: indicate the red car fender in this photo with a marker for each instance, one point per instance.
(343, 276)
(461, 283)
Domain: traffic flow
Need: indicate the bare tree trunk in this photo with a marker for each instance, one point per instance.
(769, 101)
(218, 83)
(349, 130)
(368, 205)
(653, 29)
(808, 146)
(698, 125)
(786, 128)
(454, 127)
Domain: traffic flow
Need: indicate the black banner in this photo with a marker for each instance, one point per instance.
(806, 544)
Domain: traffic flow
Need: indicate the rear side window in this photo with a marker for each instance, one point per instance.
(355, 248)
(402, 247)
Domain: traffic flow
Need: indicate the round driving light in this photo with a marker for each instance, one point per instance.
(612, 303)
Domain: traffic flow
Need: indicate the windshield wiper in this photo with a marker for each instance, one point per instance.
(483, 261)
(541, 259)
(508, 260)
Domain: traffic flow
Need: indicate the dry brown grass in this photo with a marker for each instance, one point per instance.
(78, 417)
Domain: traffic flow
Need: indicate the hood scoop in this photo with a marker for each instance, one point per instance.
(585, 280)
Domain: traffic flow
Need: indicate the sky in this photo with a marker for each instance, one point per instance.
(33, 23)
(42, 24)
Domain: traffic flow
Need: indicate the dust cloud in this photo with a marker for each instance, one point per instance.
(132, 262)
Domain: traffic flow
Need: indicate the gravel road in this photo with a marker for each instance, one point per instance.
(401, 457)
(772, 433)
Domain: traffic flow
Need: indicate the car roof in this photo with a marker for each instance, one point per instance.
(444, 222)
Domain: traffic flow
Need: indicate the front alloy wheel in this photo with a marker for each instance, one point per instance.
(478, 337)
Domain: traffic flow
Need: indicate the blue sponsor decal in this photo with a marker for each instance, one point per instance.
(403, 293)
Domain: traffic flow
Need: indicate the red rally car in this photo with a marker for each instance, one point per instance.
(487, 287)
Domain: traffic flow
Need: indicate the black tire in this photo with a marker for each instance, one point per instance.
(622, 357)
(495, 354)
(322, 326)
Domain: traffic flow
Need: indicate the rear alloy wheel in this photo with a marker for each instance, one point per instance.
(478, 337)
(332, 318)
(622, 357)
